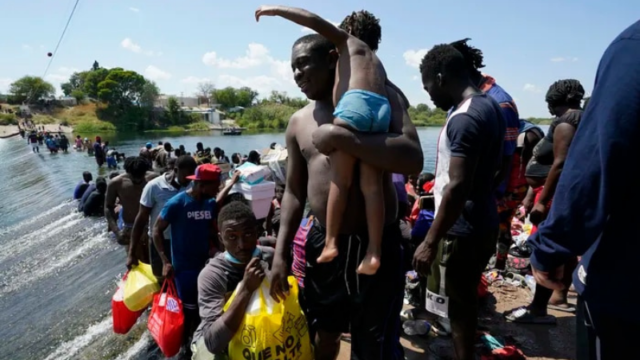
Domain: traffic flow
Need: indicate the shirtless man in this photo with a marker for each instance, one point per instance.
(128, 189)
(361, 104)
(338, 298)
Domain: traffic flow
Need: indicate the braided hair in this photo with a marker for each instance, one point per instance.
(567, 92)
(363, 25)
(472, 56)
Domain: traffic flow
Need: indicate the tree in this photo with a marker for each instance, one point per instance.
(92, 79)
(30, 89)
(173, 113)
(150, 93)
(95, 66)
(78, 95)
(230, 97)
(205, 91)
(122, 91)
(76, 82)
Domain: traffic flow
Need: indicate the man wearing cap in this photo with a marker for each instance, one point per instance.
(194, 236)
(145, 152)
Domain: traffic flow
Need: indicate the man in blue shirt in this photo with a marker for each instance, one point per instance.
(194, 237)
(592, 212)
(82, 185)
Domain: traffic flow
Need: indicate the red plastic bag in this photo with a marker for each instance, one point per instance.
(123, 318)
(166, 321)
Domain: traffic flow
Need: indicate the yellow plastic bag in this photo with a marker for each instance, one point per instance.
(140, 287)
(271, 330)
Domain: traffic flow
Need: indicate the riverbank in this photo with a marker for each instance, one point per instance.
(7, 131)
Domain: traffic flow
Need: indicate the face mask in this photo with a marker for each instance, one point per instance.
(233, 260)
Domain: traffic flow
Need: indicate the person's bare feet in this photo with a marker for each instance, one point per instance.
(369, 264)
(328, 254)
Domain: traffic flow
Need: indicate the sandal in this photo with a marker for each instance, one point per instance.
(567, 309)
(522, 315)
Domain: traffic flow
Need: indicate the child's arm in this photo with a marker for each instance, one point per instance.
(305, 18)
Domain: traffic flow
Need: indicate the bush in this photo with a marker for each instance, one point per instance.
(267, 116)
(198, 126)
(8, 119)
(91, 127)
(44, 119)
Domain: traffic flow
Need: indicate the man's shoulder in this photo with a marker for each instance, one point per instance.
(213, 272)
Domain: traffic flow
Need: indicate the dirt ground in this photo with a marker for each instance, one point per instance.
(537, 342)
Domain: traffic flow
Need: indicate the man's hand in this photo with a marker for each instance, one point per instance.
(538, 213)
(167, 269)
(253, 275)
(551, 280)
(236, 176)
(424, 256)
(279, 283)
(322, 138)
(131, 260)
(266, 10)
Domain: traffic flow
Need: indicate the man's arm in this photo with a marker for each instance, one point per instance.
(110, 204)
(562, 137)
(398, 151)
(596, 176)
(307, 19)
(465, 137)
(158, 238)
(139, 225)
(225, 191)
(295, 192)
(211, 301)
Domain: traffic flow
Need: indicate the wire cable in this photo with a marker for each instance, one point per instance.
(61, 37)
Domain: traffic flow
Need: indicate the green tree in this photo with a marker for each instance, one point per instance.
(78, 95)
(121, 88)
(92, 79)
(230, 97)
(76, 82)
(173, 113)
(30, 89)
(95, 66)
(150, 93)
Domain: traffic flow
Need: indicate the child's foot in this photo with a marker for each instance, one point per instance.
(328, 254)
(369, 265)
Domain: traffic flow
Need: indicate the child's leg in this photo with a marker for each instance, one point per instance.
(371, 187)
(341, 178)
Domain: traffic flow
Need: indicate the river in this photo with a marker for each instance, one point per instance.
(58, 269)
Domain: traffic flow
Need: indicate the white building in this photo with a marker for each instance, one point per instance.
(184, 101)
(210, 115)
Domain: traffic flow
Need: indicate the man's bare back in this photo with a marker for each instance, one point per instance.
(129, 193)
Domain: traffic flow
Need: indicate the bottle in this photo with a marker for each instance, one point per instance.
(417, 327)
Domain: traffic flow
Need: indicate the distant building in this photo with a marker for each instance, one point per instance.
(210, 115)
(68, 101)
(184, 101)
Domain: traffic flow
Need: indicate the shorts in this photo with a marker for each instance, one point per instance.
(364, 111)
(338, 300)
(111, 162)
(452, 286)
(187, 286)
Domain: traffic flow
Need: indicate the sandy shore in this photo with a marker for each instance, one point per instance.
(12, 130)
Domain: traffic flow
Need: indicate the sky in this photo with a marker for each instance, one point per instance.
(178, 44)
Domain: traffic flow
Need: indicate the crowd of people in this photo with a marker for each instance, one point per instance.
(366, 228)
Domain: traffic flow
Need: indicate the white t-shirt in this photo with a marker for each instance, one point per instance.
(154, 195)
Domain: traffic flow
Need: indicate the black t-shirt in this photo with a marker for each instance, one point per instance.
(542, 159)
(475, 130)
(94, 206)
